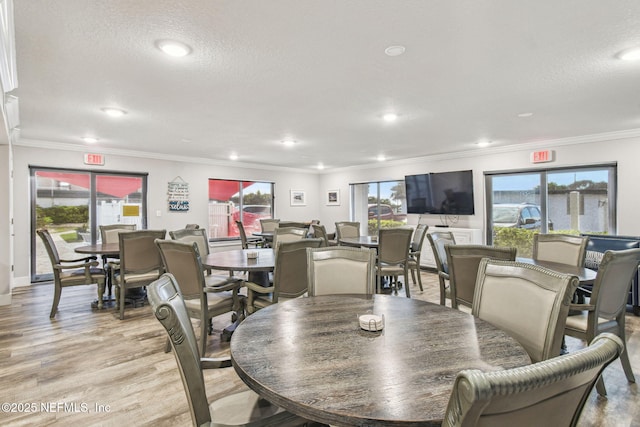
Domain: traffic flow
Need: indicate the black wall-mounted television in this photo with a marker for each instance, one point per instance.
(448, 193)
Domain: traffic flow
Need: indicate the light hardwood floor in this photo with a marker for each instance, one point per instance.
(92, 369)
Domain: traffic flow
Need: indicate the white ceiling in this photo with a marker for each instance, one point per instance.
(316, 71)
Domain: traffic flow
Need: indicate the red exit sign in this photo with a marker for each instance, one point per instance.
(542, 156)
(94, 159)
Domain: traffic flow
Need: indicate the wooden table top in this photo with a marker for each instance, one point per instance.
(236, 260)
(309, 356)
(366, 241)
(99, 249)
(585, 275)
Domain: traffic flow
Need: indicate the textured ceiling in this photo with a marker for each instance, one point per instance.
(315, 71)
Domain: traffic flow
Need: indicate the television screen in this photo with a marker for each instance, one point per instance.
(449, 193)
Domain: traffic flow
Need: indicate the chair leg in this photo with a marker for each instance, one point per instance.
(442, 292)
(626, 366)
(406, 279)
(602, 391)
(121, 301)
(56, 299)
(204, 329)
(419, 278)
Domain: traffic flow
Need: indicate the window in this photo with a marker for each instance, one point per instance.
(563, 200)
(379, 205)
(232, 200)
(72, 204)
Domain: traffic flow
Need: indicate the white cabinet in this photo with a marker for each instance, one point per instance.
(462, 236)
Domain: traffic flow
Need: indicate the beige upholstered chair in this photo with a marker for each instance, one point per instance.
(290, 279)
(109, 233)
(606, 308)
(71, 272)
(194, 235)
(341, 270)
(245, 408)
(269, 225)
(347, 229)
(287, 234)
(529, 302)
(438, 240)
(140, 263)
(560, 248)
(320, 232)
(463, 262)
(393, 257)
(548, 393)
(415, 250)
(205, 296)
(247, 242)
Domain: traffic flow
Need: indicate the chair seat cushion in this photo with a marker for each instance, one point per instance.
(138, 278)
(72, 277)
(215, 301)
(214, 280)
(578, 323)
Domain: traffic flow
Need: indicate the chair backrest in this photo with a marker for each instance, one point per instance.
(341, 270)
(393, 245)
(139, 253)
(269, 225)
(529, 302)
(560, 248)
(319, 232)
(169, 308)
(196, 235)
(548, 393)
(287, 234)
(50, 246)
(294, 224)
(347, 229)
(109, 233)
(463, 262)
(182, 260)
(418, 237)
(438, 240)
(290, 279)
(243, 235)
(611, 287)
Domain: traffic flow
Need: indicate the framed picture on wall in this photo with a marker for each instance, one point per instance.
(333, 198)
(298, 198)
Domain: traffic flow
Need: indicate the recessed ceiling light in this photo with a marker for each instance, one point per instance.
(320, 166)
(289, 142)
(89, 139)
(233, 156)
(173, 48)
(381, 158)
(483, 144)
(632, 54)
(390, 117)
(114, 112)
(394, 50)
(523, 115)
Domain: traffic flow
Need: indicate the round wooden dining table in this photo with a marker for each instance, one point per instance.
(310, 356)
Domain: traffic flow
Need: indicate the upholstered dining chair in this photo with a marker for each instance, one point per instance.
(206, 296)
(605, 309)
(194, 235)
(244, 408)
(341, 270)
(347, 229)
(463, 262)
(290, 279)
(529, 302)
(268, 225)
(415, 251)
(247, 242)
(438, 240)
(552, 392)
(560, 248)
(70, 272)
(109, 234)
(287, 234)
(393, 257)
(319, 231)
(139, 265)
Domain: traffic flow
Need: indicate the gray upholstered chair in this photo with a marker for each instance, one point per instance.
(463, 262)
(205, 296)
(320, 232)
(415, 251)
(548, 393)
(341, 270)
(393, 257)
(290, 279)
(71, 272)
(109, 233)
(438, 240)
(347, 229)
(247, 242)
(140, 263)
(269, 225)
(287, 234)
(529, 302)
(560, 248)
(605, 309)
(194, 235)
(244, 408)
